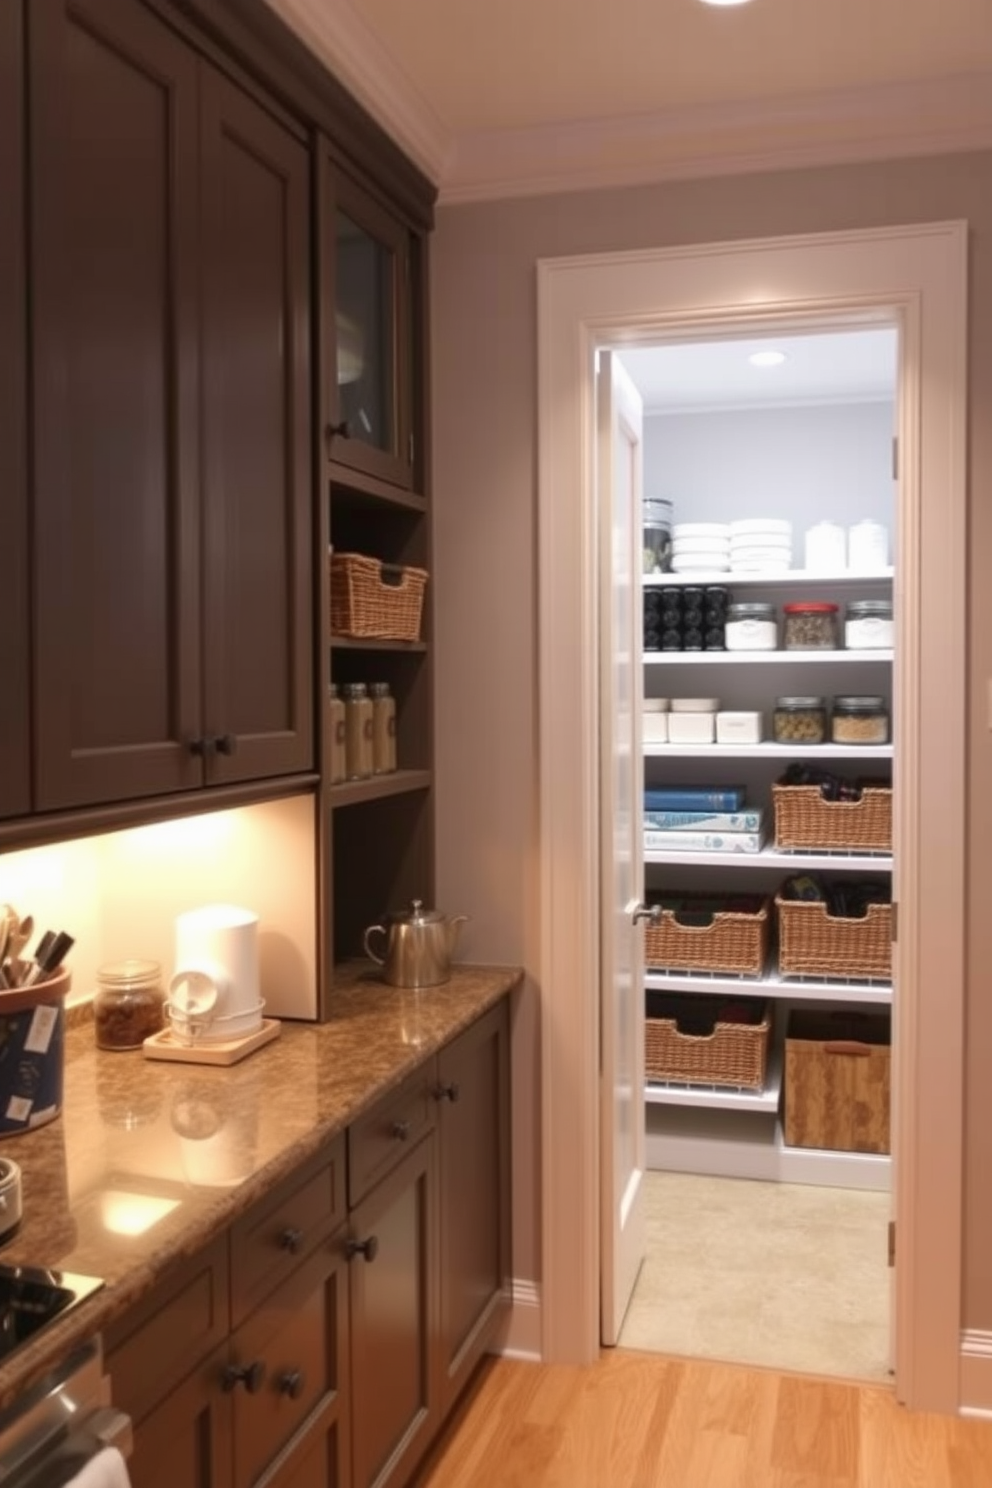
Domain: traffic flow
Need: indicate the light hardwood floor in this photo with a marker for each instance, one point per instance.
(637, 1420)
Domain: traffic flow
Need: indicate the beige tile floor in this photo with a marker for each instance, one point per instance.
(779, 1274)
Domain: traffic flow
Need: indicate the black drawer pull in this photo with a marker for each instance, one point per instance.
(401, 1130)
(291, 1239)
(226, 744)
(449, 1092)
(200, 747)
(368, 1248)
(291, 1383)
(252, 1376)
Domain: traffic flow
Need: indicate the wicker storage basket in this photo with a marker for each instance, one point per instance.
(837, 1080)
(691, 1045)
(734, 941)
(812, 942)
(803, 819)
(371, 598)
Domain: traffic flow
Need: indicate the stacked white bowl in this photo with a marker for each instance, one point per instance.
(700, 547)
(760, 545)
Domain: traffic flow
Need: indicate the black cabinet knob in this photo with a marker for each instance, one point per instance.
(401, 1130)
(368, 1248)
(226, 744)
(341, 430)
(291, 1383)
(449, 1092)
(291, 1239)
(252, 1376)
(199, 746)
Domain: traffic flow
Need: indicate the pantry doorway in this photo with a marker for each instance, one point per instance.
(915, 277)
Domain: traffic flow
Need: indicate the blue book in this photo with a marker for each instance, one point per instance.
(694, 798)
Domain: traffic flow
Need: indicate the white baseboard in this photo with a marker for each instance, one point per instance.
(520, 1337)
(976, 1373)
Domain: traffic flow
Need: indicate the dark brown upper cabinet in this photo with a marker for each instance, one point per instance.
(172, 507)
(369, 331)
(15, 778)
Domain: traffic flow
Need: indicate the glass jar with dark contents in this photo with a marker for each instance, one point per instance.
(128, 1003)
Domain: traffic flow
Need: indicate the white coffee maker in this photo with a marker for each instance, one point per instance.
(214, 991)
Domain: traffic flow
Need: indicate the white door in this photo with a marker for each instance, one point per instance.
(622, 1133)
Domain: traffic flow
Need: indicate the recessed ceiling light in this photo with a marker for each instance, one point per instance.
(725, 2)
(765, 358)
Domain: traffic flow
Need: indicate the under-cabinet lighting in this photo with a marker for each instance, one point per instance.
(726, 2)
(764, 358)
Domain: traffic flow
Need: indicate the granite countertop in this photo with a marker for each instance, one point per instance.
(189, 1146)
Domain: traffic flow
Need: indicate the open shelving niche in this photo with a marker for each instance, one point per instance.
(380, 829)
(738, 1133)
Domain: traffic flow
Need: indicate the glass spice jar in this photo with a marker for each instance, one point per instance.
(336, 768)
(383, 729)
(800, 720)
(810, 626)
(128, 1004)
(357, 731)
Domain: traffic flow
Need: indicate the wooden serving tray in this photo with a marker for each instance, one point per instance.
(165, 1045)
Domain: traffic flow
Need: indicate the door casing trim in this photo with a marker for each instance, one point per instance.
(916, 276)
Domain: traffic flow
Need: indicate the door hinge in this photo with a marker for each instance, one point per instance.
(892, 1242)
(895, 458)
(895, 923)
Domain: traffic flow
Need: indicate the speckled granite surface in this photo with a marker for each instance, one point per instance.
(204, 1141)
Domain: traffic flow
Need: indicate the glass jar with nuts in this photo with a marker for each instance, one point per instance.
(800, 720)
(128, 1003)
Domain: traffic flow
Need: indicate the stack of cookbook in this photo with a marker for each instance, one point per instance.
(704, 818)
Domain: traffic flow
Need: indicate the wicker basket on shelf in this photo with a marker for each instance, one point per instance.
(730, 1053)
(734, 941)
(375, 599)
(813, 942)
(804, 819)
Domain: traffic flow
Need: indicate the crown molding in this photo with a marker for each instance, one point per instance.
(940, 116)
(337, 35)
(834, 128)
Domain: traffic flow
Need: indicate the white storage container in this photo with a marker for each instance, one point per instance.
(867, 547)
(654, 720)
(739, 728)
(826, 548)
(694, 705)
(869, 625)
(691, 728)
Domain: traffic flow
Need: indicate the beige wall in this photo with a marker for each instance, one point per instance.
(484, 351)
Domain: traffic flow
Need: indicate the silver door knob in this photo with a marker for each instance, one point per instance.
(650, 912)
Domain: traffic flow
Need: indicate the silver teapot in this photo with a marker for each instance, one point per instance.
(418, 946)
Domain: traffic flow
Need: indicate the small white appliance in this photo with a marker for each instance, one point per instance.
(214, 992)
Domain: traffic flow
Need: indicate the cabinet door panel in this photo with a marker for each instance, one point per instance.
(15, 798)
(114, 306)
(187, 1439)
(392, 1321)
(258, 619)
(473, 1184)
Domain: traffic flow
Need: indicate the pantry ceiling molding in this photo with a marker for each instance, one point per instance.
(840, 126)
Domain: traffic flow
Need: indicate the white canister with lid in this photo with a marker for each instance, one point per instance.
(751, 627)
(826, 548)
(867, 547)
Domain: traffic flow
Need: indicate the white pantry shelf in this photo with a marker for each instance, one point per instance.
(719, 1097)
(766, 658)
(767, 751)
(772, 984)
(770, 857)
(790, 577)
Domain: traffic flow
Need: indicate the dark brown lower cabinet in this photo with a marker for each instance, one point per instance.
(393, 1253)
(313, 1347)
(473, 1194)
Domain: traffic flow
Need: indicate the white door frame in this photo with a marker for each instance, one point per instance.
(916, 275)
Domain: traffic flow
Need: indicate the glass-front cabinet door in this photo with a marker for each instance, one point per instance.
(369, 362)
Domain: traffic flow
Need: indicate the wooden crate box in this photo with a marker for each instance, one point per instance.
(837, 1080)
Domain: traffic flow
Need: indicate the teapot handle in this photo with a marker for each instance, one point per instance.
(379, 960)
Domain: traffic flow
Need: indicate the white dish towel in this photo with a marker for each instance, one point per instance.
(105, 1470)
